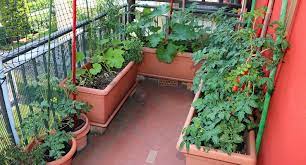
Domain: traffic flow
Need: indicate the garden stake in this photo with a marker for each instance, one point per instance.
(268, 94)
(267, 19)
(73, 54)
(49, 65)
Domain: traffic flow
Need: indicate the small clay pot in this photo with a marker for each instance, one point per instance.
(81, 134)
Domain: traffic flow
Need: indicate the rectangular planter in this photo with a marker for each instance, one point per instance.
(181, 69)
(106, 103)
(216, 157)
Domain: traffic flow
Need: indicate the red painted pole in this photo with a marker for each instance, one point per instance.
(73, 54)
(73, 48)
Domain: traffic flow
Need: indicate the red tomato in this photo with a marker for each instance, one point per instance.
(246, 72)
(235, 88)
(266, 71)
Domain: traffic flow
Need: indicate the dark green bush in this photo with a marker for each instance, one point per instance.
(14, 18)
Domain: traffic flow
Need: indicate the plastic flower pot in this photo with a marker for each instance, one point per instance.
(107, 102)
(216, 157)
(182, 68)
(81, 134)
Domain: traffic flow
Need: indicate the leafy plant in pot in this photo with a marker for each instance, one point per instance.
(55, 146)
(220, 126)
(109, 78)
(167, 56)
(73, 114)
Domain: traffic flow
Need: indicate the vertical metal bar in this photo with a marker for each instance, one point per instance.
(8, 106)
(62, 47)
(69, 55)
(23, 73)
(45, 62)
(54, 63)
(5, 116)
(78, 48)
(35, 69)
(84, 47)
(15, 102)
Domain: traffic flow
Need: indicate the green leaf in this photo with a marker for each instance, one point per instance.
(114, 58)
(155, 39)
(96, 68)
(182, 32)
(166, 53)
(80, 56)
(160, 10)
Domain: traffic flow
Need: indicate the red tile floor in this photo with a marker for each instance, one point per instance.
(142, 133)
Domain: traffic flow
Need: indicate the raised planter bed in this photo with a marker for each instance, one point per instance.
(216, 157)
(107, 102)
(181, 69)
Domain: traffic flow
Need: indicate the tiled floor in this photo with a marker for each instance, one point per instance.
(142, 134)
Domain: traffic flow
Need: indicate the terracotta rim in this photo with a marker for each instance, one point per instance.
(218, 154)
(153, 50)
(84, 130)
(66, 157)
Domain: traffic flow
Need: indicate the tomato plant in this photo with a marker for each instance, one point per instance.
(231, 69)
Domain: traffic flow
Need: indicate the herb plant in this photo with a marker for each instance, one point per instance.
(233, 80)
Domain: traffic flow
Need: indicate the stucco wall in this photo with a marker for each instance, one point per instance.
(284, 140)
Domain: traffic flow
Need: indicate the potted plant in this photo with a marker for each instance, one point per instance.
(168, 51)
(109, 77)
(73, 114)
(55, 146)
(220, 128)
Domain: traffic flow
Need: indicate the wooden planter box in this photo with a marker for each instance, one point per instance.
(216, 157)
(106, 103)
(181, 69)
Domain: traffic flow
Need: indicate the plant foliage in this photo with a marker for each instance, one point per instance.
(182, 32)
(234, 82)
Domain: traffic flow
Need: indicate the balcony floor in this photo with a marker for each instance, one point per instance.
(140, 130)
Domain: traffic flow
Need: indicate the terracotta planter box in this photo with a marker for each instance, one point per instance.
(217, 157)
(181, 69)
(107, 102)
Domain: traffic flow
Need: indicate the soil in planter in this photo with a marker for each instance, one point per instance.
(66, 127)
(66, 150)
(101, 80)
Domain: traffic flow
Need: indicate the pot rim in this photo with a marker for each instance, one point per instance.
(84, 130)
(153, 50)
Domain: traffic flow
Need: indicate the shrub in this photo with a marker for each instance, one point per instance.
(14, 18)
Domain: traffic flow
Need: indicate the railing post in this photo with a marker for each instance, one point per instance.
(6, 105)
(131, 6)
